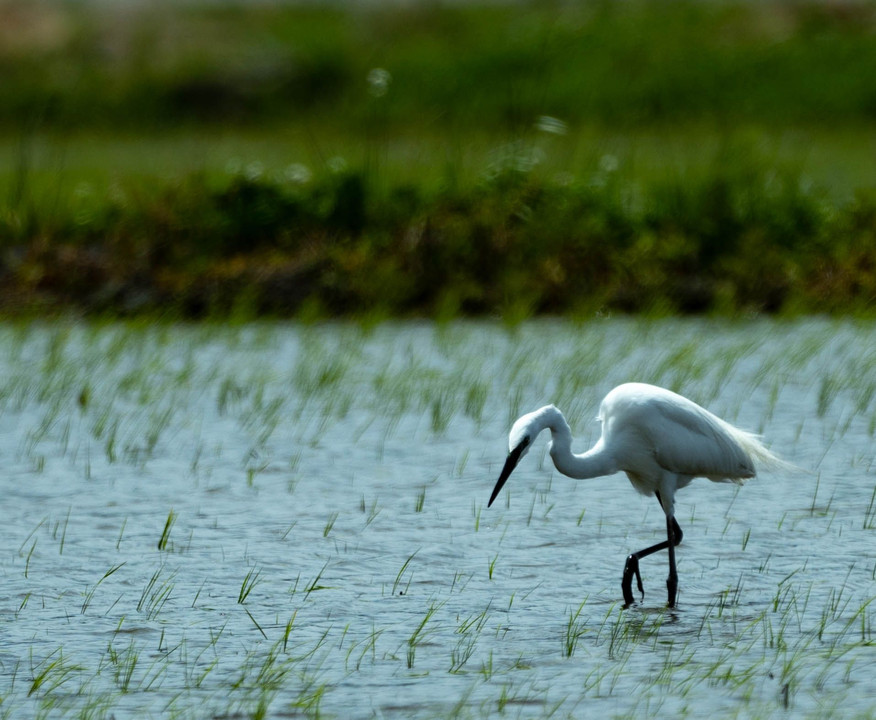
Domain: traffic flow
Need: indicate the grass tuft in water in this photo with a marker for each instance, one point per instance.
(249, 582)
(419, 635)
(89, 594)
(575, 629)
(870, 512)
(396, 585)
(156, 593)
(164, 540)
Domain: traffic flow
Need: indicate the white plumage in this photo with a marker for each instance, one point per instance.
(660, 439)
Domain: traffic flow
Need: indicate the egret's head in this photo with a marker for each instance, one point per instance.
(521, 435)
(520, 439)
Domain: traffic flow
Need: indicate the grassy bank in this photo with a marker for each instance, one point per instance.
(742, 237)
(438, 161)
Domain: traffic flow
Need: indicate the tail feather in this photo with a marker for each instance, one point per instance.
(763, 457)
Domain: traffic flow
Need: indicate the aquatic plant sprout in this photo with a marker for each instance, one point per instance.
(318, 492)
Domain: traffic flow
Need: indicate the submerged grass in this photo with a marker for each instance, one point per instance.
(297, 590)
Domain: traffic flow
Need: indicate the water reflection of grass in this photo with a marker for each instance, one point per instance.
(296, 587)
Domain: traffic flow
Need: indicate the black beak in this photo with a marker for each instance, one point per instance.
(510, 464)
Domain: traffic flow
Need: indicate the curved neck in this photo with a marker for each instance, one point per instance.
(596, 462)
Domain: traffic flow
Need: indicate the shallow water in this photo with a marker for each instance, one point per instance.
(330, 551)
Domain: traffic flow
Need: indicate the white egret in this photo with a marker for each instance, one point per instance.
(661, 440)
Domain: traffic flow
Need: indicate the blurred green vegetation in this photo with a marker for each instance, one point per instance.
(149, 66)
(541, 157)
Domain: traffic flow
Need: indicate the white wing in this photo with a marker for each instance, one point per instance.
(678, 435)
(689, 440)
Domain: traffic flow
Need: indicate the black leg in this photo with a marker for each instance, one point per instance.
(631, 568)
(671, 542)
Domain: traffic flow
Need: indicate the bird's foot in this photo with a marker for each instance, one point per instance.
(631, 568)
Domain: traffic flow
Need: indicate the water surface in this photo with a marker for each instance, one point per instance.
(279, 520)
